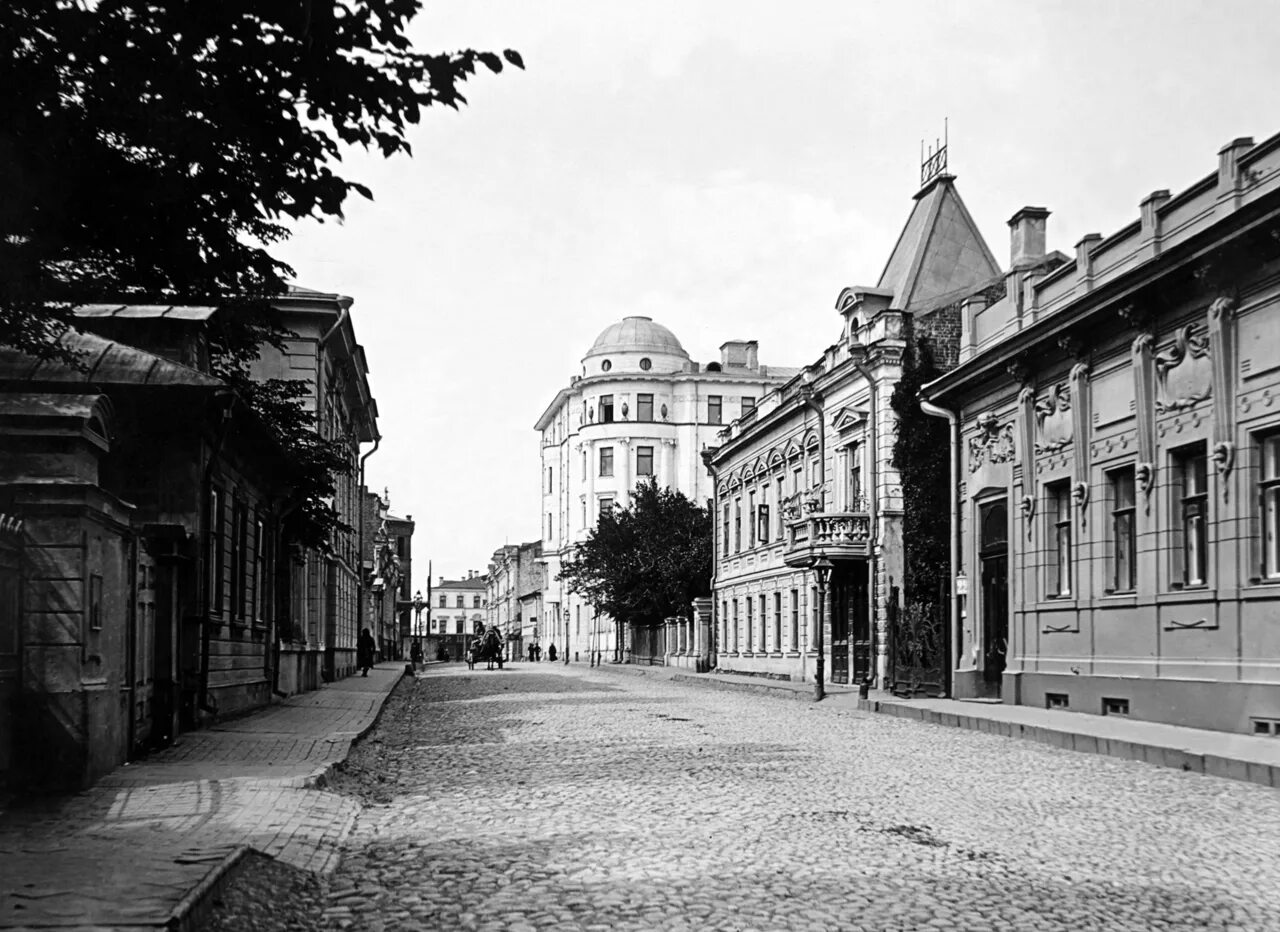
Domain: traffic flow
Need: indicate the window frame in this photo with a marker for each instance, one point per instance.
(715, 403)
(644, 407)
(643, 453)
(1122, 544)
(605, 408)
(1190, 516)
(215, 553)
(1059, 577)
(605, 463)
(1268, 490)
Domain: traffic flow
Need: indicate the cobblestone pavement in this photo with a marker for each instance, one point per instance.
(559, 798)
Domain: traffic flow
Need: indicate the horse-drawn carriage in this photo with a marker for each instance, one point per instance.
(485, 647)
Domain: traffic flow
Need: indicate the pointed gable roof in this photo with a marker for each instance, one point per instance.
(940, 253)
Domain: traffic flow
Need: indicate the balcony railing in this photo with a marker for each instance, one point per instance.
(842, 535)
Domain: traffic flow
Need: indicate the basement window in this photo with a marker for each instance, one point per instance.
(1266, 726)
(1056, 701)
(1115, 706)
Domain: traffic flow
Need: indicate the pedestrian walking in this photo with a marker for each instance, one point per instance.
(551, 653)
(415, 653)
(365, 647)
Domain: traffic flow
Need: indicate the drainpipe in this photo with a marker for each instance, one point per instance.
(881, 670)
(713, 647)
(954, 628)
(360, 495)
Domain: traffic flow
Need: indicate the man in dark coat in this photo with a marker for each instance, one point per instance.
(364, 652)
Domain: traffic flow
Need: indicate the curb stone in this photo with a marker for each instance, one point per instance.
(192, 911)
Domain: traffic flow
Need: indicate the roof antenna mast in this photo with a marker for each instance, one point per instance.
(936, 162)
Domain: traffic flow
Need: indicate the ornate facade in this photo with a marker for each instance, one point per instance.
(640, 409)
(1117, 463)
(804, 482)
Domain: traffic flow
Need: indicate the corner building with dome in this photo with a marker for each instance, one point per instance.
(640, 408)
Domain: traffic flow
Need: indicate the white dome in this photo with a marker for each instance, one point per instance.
(637, 335)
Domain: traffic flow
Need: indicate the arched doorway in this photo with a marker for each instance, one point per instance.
(993, 519)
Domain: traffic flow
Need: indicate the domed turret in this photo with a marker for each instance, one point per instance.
(635, 344)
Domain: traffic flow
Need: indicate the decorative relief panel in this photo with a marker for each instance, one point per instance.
(1053, 420)
(992, 444)
(1183, 372)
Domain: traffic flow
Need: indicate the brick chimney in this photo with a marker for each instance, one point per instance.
(1027, 237)
(740, 354)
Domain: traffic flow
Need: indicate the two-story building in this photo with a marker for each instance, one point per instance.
(454, 610)
(324, 614)
(1116, 463)
(808, 510)
(640, 409)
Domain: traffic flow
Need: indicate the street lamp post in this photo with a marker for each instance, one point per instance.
(822, 567)
(417, 622)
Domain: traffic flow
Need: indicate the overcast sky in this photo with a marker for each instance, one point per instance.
(726, 168)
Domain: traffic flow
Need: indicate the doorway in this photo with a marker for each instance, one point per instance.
(851, 651)
(993, 557)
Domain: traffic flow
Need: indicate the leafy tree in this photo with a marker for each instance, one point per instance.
(154, 151)
(645, 563)
(921, 452)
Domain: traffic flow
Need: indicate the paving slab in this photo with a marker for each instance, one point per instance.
(144, 846)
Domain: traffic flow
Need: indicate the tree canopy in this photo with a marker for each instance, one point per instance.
(645, 563)
(154, 150)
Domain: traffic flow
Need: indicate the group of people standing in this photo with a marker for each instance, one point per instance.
(535, 653)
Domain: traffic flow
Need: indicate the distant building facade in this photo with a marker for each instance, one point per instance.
(386, 542)
(1117, 463)
(457, 606)
(805, 480)
(640, 409)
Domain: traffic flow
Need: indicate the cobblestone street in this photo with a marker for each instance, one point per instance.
(546, 797)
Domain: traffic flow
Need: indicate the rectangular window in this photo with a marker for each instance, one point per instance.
(778, 503)
(854, 489)
(1191, 499)
(239, 561)
(748, 405)
(1269, 503)
(751, 622)
(726, 542)
(764, 621)
(1124, 544)
(737, 525)
(715, 409)
(1057, 515)
(214, 554)
(475, 602)
(762, 519)
(460, 623)
(549, 534)
(751, 519)
(814, 611)
(724, 625)
(644, 461)
(550, 477)
(444, 601)
(577, 619)
(259, 571)
(777, 621)
(644, 407)
(461, 602)
(95, 602)
(795, 619)
(606, 409)
(606, 505)
(606, 461)
(735, 626)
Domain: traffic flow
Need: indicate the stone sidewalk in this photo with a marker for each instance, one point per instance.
(143, 847)
(1220, 754)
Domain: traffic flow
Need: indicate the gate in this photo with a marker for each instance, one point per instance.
(917, 647)
(649, 644)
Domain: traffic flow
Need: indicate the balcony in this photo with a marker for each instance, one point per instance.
(840, 535)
